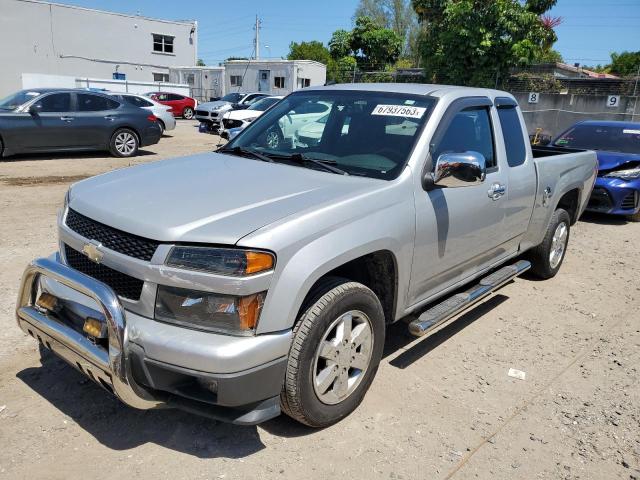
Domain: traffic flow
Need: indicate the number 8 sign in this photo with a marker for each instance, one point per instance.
(534, 97)
(613, 101)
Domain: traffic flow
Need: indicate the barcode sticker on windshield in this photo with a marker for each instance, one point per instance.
(399, 111)
(631, 132)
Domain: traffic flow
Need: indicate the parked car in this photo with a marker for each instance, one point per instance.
(239, 119)
(181, 105)
(50, 120)
(211, 113)
(166, 120)
(617, 189)
(264, 281)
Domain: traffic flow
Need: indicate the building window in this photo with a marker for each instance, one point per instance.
(278, 82)
(161, 77)
(236, 80)
(162, 43)
(304, 82)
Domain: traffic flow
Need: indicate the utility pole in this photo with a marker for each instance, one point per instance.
(256, 40)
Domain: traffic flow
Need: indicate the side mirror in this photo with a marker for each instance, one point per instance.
(459, 169)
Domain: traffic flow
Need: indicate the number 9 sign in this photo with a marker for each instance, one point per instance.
(613, 101)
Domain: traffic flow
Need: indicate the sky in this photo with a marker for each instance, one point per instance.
(590, 31)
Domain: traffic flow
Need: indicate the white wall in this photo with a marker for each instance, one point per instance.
(290, 69)
(56, 39)
(36, 80)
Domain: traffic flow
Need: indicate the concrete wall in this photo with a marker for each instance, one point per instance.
(290, 69)
(39, 37)
(30, 80)
(554, 113)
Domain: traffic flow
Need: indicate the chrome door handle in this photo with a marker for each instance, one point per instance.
(496, 191)
(110, 117)
(66, 119)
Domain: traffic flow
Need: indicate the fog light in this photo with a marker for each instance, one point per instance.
(46, 301)
(95, 328)
(208, 384)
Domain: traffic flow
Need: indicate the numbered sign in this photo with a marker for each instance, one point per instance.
(534, 97)
(613, 101)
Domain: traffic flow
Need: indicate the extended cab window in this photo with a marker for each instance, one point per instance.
(470, 130)
(57, 102)
(513, 136)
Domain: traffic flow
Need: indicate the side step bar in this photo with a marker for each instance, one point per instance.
(454, 305)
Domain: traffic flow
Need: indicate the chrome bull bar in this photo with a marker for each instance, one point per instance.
(75, 348)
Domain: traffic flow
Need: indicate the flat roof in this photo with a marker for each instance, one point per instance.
(106, 12)
(271, 61)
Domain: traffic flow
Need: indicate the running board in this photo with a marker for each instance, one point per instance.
(455, 304)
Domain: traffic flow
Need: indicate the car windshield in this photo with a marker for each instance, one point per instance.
(361, 133)
(17, 99)
(264, 104)
(611, 138)
(232, 97)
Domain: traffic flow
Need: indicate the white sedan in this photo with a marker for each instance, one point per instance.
(165, 118)
(239, 119)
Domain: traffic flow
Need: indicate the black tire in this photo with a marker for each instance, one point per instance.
(274, 138)
(327, 304)
(162, 127)
(632, 218)
(187, 113)
(132, 141)
(540, 256)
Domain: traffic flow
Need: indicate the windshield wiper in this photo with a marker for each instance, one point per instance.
(302, 159)
(240, 151)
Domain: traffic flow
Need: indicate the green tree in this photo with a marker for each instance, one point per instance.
(625, 63)
(341, 70)
(313, 50)
(340, 44)
(200, 63)
(473, 42)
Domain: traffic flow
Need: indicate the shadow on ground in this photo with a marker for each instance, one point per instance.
(603, 219)
(74, 155)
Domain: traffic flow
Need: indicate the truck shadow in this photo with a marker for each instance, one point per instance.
(85, 155)
(119, 427)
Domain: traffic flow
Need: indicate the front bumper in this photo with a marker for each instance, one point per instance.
(148, 364)
(615, 196)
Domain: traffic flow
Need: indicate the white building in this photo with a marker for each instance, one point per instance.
(48, 38)
(204, 83)
(277, 77)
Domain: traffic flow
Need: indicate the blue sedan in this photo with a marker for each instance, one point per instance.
(617, 188)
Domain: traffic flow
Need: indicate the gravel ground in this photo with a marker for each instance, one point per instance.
(441, 407)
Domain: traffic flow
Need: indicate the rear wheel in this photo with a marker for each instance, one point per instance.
(124, 143)
(547, 258)
(187, 113)
(162, 127)
(335, 353)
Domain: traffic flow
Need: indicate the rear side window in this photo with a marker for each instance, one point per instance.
(95, 103)
(137, 101)
(172, 97)
(57, 102)
(470, 130)
(513, 137)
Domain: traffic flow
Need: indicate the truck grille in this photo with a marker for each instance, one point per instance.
(630, 202)
(124, 285)
(112, 238)
(202, 113)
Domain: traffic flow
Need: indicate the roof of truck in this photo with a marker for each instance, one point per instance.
(411, 88)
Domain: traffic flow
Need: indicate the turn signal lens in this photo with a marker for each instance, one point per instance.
(258, 262)
(46, 301)
(95, 328)
(249, 309)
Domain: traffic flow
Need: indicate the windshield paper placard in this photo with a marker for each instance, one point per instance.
(399, 111)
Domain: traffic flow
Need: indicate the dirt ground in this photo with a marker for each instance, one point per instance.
(441, 407)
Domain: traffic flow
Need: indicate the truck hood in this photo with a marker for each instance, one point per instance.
(611, 160)
(208, 198)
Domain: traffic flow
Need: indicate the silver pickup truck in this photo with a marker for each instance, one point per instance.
(260, 278)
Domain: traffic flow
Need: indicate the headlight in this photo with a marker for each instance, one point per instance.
(628, 174)
(223, 261)
(208, 311)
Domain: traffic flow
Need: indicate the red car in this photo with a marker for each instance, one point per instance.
(181, 106)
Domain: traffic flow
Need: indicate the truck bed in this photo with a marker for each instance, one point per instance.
(540, 151)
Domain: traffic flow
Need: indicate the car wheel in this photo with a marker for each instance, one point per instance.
(547, 258)
(187, 113)
(162, 127)
(274, 138)
(124, 143)
(335, 353)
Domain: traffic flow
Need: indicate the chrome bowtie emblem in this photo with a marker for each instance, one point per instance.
(92, 252)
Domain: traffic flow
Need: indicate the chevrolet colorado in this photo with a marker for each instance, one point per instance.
(254, 280)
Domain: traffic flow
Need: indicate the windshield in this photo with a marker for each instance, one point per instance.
(17, 99)
(362, 133)
(232, 97)
(264, 104)
(624, 139)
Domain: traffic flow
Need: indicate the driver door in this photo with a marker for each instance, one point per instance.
(460, 231)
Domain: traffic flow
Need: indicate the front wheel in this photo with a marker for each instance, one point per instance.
(187, 113)
(547, 258)
(336, 350)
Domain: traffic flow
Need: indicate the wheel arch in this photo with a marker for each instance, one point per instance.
(128, 127)
(570, 201)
